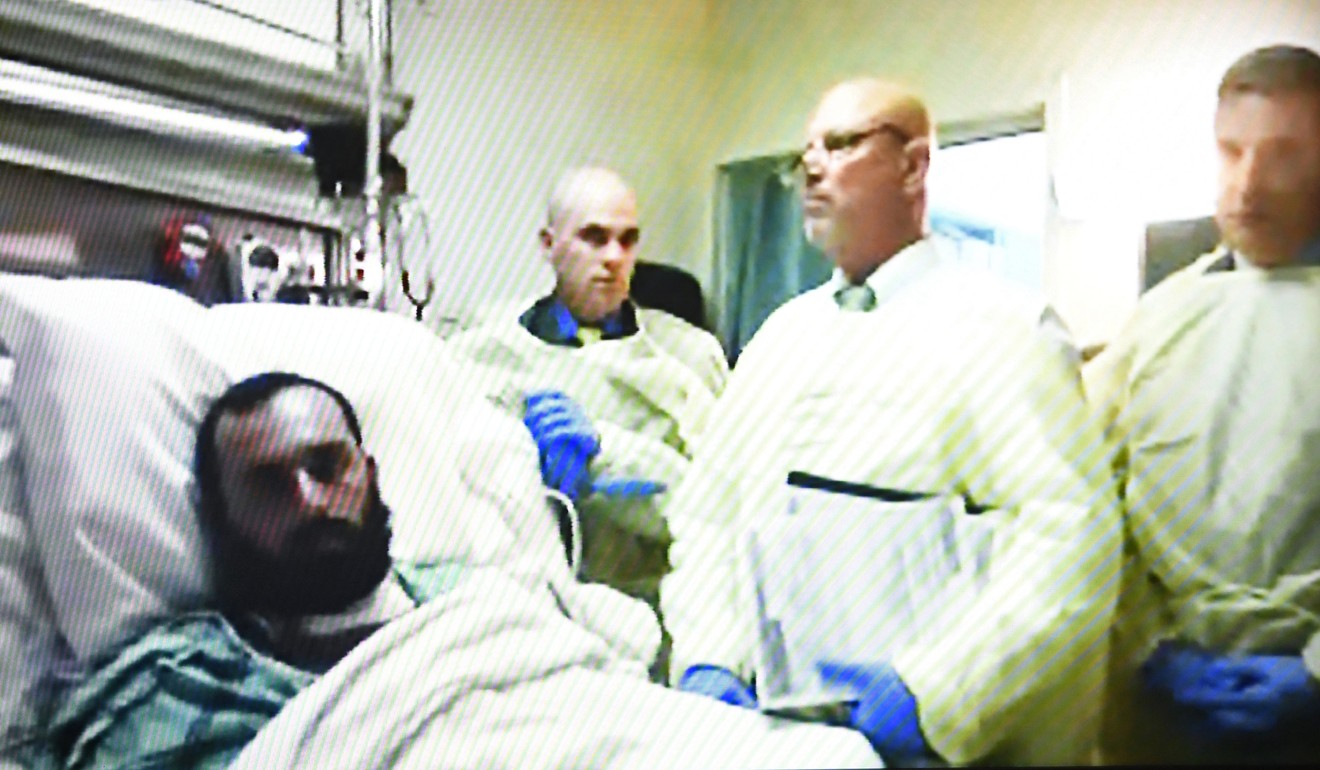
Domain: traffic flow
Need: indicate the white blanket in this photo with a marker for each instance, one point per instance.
(492, 675)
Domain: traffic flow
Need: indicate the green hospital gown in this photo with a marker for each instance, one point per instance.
(190, 693)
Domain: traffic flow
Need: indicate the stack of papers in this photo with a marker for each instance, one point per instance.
(849, 573)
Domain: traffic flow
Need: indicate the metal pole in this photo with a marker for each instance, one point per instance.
(373, 250)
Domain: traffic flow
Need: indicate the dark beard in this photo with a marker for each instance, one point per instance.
(327, 566)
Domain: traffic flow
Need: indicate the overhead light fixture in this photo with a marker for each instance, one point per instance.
(17, 85)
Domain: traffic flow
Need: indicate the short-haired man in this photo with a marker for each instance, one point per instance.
(610, 390)
(908, 372)
(1211, 399)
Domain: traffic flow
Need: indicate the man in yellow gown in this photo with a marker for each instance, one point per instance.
(630, 388)
(1211, 396)
(911, 372)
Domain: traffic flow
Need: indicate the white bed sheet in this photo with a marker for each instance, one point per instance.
(492, 676)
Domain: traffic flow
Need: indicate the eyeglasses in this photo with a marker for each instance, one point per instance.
(836, 143)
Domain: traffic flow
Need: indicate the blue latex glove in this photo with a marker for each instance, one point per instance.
(886, 711)
(1254, 694)
(627, 488)
(565, 439)
(1175, 669)
(718, 683)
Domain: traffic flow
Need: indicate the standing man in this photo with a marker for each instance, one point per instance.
(1212, 399)
(616, 395)
(908, 372)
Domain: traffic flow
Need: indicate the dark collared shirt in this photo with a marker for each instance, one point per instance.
(550, 321)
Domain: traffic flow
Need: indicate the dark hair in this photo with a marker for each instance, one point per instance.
(1271, 70)
(242, 398)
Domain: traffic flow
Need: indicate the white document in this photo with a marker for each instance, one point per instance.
(847, 575)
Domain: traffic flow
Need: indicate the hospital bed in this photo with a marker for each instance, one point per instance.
(101, 390)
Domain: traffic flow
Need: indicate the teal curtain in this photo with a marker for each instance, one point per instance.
(762, 255)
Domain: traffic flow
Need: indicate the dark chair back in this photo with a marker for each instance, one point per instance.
(671, 289)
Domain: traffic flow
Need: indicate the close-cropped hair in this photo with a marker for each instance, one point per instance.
(242, 398)
(1273, 70)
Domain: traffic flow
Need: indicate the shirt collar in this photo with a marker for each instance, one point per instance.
(897, 273)
(551, 321)
(1241, 263)
(1309, 257)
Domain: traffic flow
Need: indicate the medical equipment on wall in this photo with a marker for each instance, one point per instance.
(352, 280)
(408, 241)
(189, 260)
(256, 270)
(187, 245)
(260, 272)
(374, 271)
(419, 302)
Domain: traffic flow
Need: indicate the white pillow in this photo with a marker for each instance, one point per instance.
(26, 625)
(113, 378)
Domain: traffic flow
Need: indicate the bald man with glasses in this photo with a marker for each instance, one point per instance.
(909, 372)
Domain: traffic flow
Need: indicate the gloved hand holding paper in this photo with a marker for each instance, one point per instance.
(886, 712)
(848, 575)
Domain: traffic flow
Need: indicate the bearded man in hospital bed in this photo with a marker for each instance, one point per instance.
(323, 652)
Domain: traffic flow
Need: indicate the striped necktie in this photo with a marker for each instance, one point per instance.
(857, 298)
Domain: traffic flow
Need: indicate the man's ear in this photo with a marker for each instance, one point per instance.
(547, 239)
(371, 468)
(916, 165)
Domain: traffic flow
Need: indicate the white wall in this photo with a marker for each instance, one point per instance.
(509, 94)
(1129, 87)
(317, 18)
